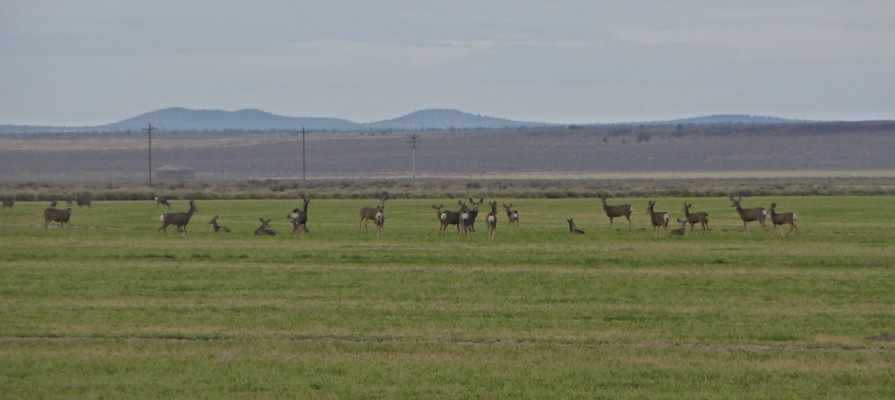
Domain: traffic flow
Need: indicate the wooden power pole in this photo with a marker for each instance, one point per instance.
(149, 130)
(304, 177)
(414, 139)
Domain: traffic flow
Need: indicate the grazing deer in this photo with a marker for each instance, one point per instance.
(491, 219)
(573, 230)
(749, 215)
(512, 215)
(446, 219)
(83, 201)
(8, 202)
(299, 218)
(53, 203)
(264, 229)
(464, 213)
(54, 215)
(474, 213)
(218, 228)
(379, 219)
(785, 218)
(369, 213)
(699, 217)
(681, 231)
(613, 212)
(162, 200)
(179, 220)
(658, 219)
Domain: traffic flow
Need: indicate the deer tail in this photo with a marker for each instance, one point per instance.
(667, 218)
(795, 217)
(161, 217)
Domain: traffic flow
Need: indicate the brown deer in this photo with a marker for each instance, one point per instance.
(179, 220)
(700, 217)
(658, 218)
(83, 200)
(7, 202)
(491, 219)
(379, 219)
(218, 228)
(512, 215)
(446, 219)
(369, 213)
(680, 231)
(785, 218)
(613, 212)
(463, 226)
(54, 215)
(264, 229)
(474, 213)
(573, 230)
(749, 215)
(299, 218)
(162, 200)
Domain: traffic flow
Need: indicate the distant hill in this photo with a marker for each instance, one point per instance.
(447, 119)
(183, 119)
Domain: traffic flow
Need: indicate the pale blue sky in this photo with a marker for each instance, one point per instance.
(564, 61)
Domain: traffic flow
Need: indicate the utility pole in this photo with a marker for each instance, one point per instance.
(304, 177)
(414, 139)
(149, 130)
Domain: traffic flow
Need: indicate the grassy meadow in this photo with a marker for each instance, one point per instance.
(107, 310)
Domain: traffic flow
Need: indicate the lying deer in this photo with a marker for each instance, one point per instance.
(658, 218)
(264, 229)
(573, 230)
(491, 219)
(785, 218)
(446, 219)
(53, 215)
(369, 213)
(179, 220)
(512, 215)
(681, 231)
(749, 215)
(700, 217)
(613, 212)
(218, 228)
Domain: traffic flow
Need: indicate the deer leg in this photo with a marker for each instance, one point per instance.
(610, 224)
(796, 227)
(629, 222)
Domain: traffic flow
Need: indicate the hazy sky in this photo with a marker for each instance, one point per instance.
(95, 62)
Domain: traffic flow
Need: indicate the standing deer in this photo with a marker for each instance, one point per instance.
(785, 218)
(162, 200)
(299, 218)
(680, 231)
(264, 229)
(464, 213)
(8, 202)
(512, 215)
(369, 213)
(446, 219)
(613, 212)
(573, 230)
(379, 219)
(491, 219)
(53, 203)
(54, 215)
(700, 217)
(749, 215)
(218, 228)
(658, 219)
(179, 220)
(83, 200)
(474, 213)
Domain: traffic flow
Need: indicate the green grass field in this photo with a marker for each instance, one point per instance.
(108, 311)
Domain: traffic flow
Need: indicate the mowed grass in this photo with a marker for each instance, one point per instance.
(108, 310)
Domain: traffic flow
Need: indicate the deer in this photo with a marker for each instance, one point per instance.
(53, 203)
(613, 212)
(446, 219)
(83, 201)
(512, 215)
(464, 213)
(573, 230)
(474, 213)
(53, 215)
(369, 213)
(299, 218)
(658, 219)
(700, 217)
(785, 218)
(264, 229)
(179, 220)
(749, 215)
(162, 200)
(491, 219)
(680, 231)
(218, 228)
(7, 202)
(379, 219)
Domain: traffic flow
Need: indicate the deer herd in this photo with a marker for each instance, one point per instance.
(462, 220)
